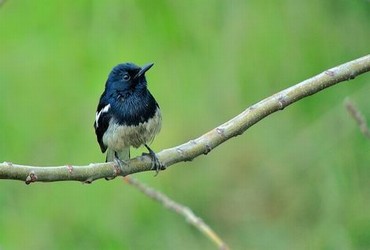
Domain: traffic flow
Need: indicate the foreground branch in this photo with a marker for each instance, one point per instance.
(203, 144)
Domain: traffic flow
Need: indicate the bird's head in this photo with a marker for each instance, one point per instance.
(127, 77)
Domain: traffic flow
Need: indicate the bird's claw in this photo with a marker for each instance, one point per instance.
(118, 165)
(156, 163)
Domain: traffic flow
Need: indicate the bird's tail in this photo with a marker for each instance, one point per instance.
(123, 154)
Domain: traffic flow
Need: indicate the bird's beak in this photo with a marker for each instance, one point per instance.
(144, 69)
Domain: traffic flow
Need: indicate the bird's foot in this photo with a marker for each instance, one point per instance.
(156, 164)
(118, 165)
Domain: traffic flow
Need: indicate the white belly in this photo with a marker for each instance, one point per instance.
(118, 137)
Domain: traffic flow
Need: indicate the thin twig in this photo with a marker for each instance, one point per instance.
(203, 144)
(179, 209)
(358, 117)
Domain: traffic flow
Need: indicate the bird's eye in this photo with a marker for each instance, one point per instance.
(126, 77)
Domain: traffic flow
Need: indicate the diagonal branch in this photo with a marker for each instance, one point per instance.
(203, 144)
(179, 209)
(356, 114)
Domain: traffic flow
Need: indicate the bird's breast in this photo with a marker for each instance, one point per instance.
(119, 136)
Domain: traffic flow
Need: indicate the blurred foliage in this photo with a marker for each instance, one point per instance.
(299, 179)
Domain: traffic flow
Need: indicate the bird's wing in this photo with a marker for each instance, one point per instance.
(102, 118)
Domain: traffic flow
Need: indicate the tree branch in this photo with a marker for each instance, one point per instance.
(203, 144)
(179, 209)
(356, 114)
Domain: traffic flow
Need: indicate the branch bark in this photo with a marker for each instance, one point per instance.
(201, 145)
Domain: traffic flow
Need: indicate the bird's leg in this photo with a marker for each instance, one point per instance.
(118, 162)
(156, 164)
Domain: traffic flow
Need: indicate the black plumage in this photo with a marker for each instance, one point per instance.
(127, 114)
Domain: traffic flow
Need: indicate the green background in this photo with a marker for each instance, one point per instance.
(299, 179)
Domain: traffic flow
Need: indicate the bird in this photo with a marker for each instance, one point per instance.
(127, 115)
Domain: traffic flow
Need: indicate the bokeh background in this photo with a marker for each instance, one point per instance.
(299, 179)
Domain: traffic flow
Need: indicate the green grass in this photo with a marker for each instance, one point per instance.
(297, 180)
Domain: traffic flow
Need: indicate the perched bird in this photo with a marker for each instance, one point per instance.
(127, 114)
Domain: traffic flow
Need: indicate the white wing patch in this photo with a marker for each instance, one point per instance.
(98, 114)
